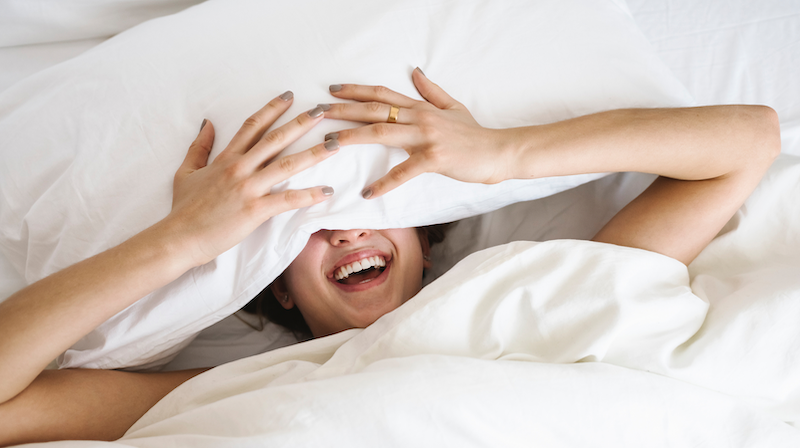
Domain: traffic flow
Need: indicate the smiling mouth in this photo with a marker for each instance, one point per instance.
(360, 271)
(364, 276)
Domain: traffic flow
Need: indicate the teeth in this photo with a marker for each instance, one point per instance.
(358, 266)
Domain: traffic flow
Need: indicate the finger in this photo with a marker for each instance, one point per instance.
(275, 204)
(369, 112)
(405, 136)
(278, 139)
(400, 174)
(197, 156)
(288, 166)
(381, 94)
(255, 126)
(432, 92)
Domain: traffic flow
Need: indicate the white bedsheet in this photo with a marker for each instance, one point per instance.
(561, 343)
(729, 51)
(25, 22)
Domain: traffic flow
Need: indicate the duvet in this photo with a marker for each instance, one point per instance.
(561, 343)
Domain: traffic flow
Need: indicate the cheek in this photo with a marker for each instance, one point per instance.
(408, 243)
(306, 267)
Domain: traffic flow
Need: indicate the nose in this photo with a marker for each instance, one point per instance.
(345, 237)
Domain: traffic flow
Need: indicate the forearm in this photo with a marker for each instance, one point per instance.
(44, 319)
(709, 158)
(83, 404)
(687, 144)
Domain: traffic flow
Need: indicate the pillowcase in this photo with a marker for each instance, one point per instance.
(91, 145)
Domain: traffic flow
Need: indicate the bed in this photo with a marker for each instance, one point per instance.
(711, 357)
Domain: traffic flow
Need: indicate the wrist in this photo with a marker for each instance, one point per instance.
(517, 148)
(167, 246)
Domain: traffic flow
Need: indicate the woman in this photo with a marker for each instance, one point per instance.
(709, 160)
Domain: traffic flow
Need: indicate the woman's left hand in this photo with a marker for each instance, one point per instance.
(440, 135)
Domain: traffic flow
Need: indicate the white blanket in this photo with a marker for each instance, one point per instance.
(562, 343)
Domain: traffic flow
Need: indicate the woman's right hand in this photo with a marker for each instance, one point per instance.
(217, 205)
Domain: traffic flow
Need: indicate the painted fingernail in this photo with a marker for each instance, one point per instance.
(366, 194)
(327, 191)
(331, 136)
(287, 95)
(331, 145)
(203, 124)
(315, 112)
(324, 106)
(420, 70)
(335, 87)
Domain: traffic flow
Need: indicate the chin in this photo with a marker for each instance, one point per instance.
(369, 314)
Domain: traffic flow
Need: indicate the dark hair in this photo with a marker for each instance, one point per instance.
(265, 305)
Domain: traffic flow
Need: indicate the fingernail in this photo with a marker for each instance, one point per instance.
(287, 95)
(335, 87)
(324, 106)
(203, 124)
(366, 194)
(331, 145)
(420, 70)
(315, 112)
(327, 191)
(331, 136)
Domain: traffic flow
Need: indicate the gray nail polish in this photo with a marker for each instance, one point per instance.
(331, 136)
(327, 191)
(203, 124)
(366, 194)
(331, 145)
(335, 87)
(324, 106)
(287, 95)
(315, 112)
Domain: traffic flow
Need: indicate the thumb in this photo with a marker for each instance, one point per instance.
(197, 156)
(432, 92)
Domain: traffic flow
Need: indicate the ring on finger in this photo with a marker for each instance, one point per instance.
(393, 112)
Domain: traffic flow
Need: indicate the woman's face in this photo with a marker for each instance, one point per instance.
(349, 278)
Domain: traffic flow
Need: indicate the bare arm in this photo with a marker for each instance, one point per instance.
(83, 404)
(214, 207)
(44, 319)
(709, 158)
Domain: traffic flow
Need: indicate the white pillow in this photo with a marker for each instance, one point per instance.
(90, 147)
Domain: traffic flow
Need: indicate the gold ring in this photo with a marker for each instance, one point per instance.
(393, 112)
